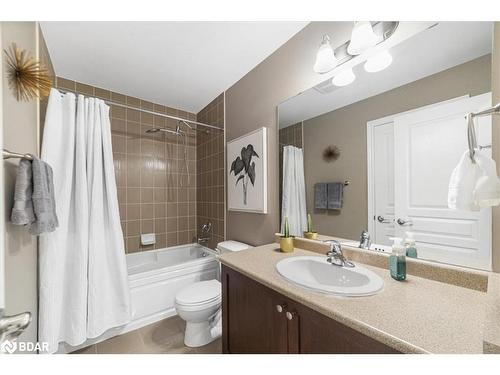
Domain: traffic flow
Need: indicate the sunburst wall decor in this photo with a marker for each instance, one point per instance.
(27, 77)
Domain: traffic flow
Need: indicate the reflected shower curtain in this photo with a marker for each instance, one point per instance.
(83, 282)
(293, 205)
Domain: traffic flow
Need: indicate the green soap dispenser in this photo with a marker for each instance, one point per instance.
(397, 260)
(411, 247)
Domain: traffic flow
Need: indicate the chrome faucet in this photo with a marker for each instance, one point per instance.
(365, 240)
(205, 230)
(336, 256)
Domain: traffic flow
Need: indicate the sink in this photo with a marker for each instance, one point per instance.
(315, 273)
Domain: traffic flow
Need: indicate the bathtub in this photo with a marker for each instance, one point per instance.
(154, 278)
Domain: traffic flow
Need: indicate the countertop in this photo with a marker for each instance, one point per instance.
(418, 315)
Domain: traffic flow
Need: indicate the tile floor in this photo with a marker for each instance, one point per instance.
(164, 337)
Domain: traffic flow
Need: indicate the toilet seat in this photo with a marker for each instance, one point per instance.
(200, 295)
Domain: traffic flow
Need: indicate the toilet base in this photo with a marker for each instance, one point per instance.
(198, 334)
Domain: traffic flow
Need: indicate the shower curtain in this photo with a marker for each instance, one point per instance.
(293, 204)
(83, 282)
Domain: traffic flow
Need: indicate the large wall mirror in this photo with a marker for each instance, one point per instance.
(377, 154)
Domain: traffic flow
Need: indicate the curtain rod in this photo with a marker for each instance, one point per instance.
(110, 102)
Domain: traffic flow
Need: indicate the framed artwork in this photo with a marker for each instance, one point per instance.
(247, 172)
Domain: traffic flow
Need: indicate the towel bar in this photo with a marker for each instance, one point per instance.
(14, 155)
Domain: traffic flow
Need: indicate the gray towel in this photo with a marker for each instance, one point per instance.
(34, 202)
(335, 195)
(44, 203)
(320, 196)
(22, 211)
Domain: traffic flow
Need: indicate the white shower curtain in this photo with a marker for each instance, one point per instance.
(293, 204)
(83, 282)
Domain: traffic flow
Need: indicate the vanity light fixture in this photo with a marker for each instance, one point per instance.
(362, 38)
(325, 58)
(344, 78)
(378, 62)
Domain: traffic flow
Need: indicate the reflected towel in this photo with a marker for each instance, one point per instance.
(462, 183)
(320, 196)
(335, 195)
(22, 211)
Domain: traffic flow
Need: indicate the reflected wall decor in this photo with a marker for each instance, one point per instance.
(247, 172)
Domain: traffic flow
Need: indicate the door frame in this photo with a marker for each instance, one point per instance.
(370, 153)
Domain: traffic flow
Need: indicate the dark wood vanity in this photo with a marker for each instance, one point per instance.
(257, 319)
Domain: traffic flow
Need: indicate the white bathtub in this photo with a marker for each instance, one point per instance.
(155, 277)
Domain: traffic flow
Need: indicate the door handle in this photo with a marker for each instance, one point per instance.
(382, 220)
(290, 315)
(13, 326)
(404, 223)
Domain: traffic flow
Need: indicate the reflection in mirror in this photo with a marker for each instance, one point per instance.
(396, 136)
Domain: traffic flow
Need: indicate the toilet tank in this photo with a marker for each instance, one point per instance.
(230, 246)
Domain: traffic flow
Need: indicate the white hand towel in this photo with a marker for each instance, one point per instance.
(487, 187)
(462, 184)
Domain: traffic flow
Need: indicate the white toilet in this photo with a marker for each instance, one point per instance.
(199, 305)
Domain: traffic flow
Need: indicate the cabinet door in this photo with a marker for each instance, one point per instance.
(319, 334)
(251, 321)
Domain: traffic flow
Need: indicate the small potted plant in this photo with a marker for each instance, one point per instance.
(310, 234)
(286, 242)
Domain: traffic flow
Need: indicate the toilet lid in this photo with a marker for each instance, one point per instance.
(198, 293)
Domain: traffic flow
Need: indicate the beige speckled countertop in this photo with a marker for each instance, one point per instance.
(415, 316)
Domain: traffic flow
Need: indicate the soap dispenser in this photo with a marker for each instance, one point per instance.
(411, 247)
(397, 260)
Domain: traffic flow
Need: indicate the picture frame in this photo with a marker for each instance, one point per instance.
(247, 172)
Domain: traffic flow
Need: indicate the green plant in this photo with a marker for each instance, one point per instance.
(286, 230)
(309, 223)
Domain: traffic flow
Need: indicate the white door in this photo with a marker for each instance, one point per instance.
(428, 144)
(383, 178)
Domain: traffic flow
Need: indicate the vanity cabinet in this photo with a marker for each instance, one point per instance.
(257, 319)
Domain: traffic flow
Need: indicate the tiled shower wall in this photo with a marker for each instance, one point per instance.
(155, 192)
(210, 171)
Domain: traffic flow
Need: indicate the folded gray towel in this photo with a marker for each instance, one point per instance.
(22, 211)
(335, 195)
(44, 203)
(320, 196)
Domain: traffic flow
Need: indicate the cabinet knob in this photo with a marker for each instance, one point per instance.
(280, 308)
(290, 315)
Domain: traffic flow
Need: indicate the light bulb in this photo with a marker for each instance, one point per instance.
(378, 62)
(344, 78)
(325, 58)
(362, 38)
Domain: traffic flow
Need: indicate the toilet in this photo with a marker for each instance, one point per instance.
(199, 305)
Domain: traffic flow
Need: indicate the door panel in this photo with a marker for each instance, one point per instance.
(428, 145)
(251, 322)
(383, 174)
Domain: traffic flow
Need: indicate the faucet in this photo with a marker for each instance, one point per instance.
(336, 256)
(365, 241)
(205, 237)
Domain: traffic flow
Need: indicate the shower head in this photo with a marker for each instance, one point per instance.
(185, 123)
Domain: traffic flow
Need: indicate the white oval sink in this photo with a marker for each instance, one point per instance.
(315, 273)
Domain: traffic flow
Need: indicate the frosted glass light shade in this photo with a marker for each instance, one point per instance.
(325, 58)
(362, 38)
(344, 78)
(378, 62)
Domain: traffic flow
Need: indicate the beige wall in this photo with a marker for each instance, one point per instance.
(20, 132)
(495, 89)
(346, 128)
(252, 103)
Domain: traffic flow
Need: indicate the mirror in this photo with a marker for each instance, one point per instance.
(377, 154)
